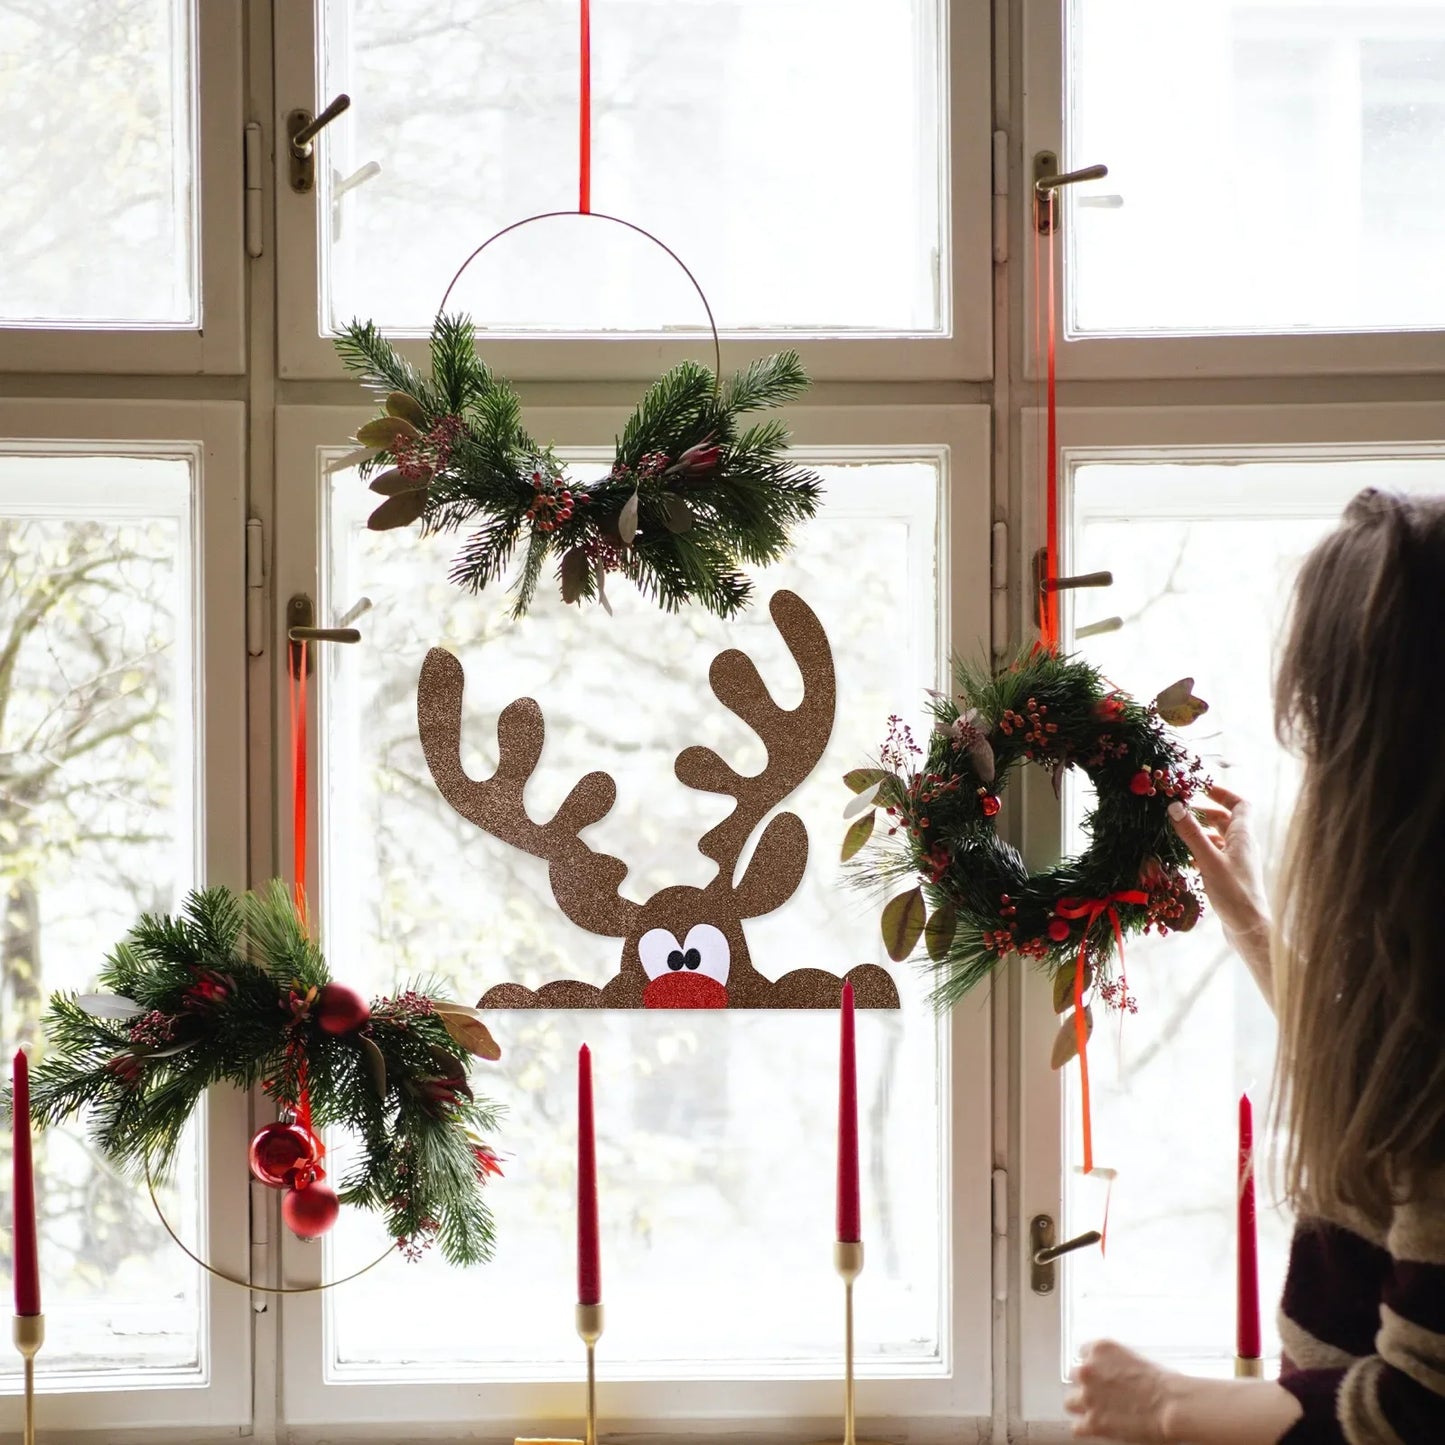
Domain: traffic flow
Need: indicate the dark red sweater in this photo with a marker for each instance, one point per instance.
(1362, 1323)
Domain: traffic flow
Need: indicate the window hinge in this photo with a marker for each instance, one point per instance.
(255, 588)
(1000, 1234)
(998, 590)
(1000, 196)
(254, 168)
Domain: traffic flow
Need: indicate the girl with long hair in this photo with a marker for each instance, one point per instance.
(1355, 966)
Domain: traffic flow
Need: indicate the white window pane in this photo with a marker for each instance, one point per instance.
(788, 150)
(1203, 559)
(1275, 164)
(715, 1132)
(97, 214)
(97, 806)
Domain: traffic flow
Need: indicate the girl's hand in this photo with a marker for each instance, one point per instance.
(1221, 841)
(1119, 1396)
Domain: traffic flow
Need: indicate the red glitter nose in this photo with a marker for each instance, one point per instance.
(684, 990)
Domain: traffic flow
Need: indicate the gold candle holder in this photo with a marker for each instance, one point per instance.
(589, 1329)
(848, 1261)
(1248, 1367)
(29, 1335)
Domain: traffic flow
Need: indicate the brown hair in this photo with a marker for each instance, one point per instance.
(1361, 983)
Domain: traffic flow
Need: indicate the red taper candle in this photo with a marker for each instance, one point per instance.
(27, 1260)
(589, 1267)
(850, 1228)
(1247, 1315)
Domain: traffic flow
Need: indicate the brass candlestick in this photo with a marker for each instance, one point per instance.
(848, 1261)
(589, 1328)
(1248, 1367)
(29, 1335)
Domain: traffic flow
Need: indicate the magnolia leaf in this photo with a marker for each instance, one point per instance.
(939, 930)
(169, 1051)
(375, 1064)
(450, 1067)
(1192, 911)
(627, 520)
(386, 431)
(903, 921)
(676, 514)
(471, 1033)
(1064, 986)
(1177, 704)
(1057, 778)
(388, 484)
(408, 408)
(109, 1006)
(861, 778)
(573, 571)
(857, 835)
(398, 511)
(600, 573)
(1066, 1041)
(981, 756)
(864, 802)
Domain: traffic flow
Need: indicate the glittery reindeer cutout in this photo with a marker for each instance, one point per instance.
(684, 947)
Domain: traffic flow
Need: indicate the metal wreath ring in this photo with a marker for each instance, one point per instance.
(245, 1283)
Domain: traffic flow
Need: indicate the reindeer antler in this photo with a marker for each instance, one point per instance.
(794, 739)
(584, 882)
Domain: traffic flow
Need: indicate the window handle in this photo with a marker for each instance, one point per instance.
(300, 619)
(1043, 1251)
(302, 128)
(1047, 179)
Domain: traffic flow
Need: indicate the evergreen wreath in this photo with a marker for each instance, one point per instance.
(975, 901)
(690, 497)
(234, 991)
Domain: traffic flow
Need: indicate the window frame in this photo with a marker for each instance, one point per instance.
(214, 433)
(217, 345)
(962, 350)
(961, 435)
(1135, 358)
(1140, 433)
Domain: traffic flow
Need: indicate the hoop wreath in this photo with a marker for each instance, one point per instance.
(690, 498)
(975, 901)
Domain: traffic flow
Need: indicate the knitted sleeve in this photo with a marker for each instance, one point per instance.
(1395, 1396)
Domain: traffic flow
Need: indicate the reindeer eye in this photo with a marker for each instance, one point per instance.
(706, 951)
(657, 948)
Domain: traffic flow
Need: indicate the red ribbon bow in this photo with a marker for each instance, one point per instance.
(1092, 910)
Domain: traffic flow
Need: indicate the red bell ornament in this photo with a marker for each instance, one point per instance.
(339, 1009)
(278, 1150)
(310, 1212)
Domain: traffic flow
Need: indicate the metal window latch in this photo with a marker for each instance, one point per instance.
(1047, 179)
(302, 128)
(1043, 1251)
(1044, 584)
(300, 617)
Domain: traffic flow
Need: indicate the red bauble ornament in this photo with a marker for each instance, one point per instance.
(310, 1212)
(990, 805)
(339, 1009)
(1058, 930)
(279, 1150)
(1142, 783)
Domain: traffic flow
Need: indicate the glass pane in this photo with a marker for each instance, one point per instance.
(715, 1131)
(1271, 166)
(790, 151)
(98, 213)
(97, 808)
(1203, 558)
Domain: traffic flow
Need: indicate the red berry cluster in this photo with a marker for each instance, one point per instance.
(1038, 733)
(1117, 996)
(552, 503)
(152, 1030)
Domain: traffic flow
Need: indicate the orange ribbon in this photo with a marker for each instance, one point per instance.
(584, 117)
(1092, 910)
